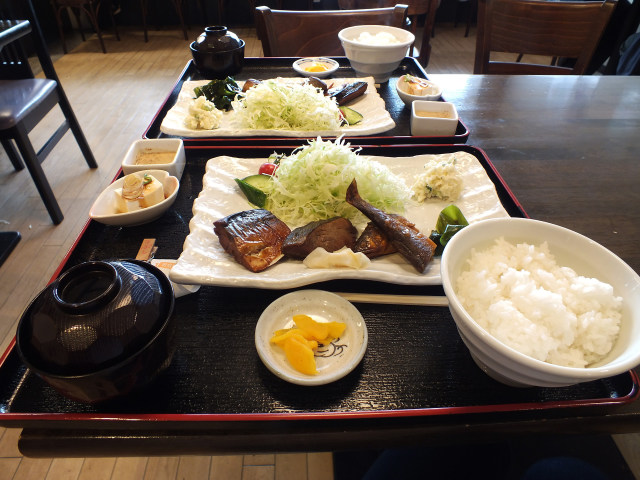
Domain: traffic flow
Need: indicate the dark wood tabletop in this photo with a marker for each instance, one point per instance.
(566, 147)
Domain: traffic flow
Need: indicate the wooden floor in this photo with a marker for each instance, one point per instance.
(115, 97)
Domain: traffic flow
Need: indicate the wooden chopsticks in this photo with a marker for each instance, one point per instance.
(421, 300)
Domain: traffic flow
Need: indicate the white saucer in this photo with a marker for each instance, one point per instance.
(302, 63)
(333, 361)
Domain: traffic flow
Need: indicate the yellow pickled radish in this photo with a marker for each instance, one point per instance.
(284, 335)
(299, 342)
(336, 329)
(318, 331)
(300, 355)
(317, 67)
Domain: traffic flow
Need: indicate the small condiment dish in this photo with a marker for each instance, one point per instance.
(432, 90)
(431, 118)
(320, 67)
(333, 361)
(158, 147)
(104, 211)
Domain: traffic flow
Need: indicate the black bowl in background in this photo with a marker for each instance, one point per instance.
(100, 330)
(218, 64)
(217, 52)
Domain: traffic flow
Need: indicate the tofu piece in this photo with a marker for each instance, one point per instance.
(123, 205)
(152, 194)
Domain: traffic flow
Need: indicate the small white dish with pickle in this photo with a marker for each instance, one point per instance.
(333, 360)
(320, 67)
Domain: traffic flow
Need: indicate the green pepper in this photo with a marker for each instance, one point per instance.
(450, 221)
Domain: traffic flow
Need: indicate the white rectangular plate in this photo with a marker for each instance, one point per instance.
(376, 119)
(203, 261)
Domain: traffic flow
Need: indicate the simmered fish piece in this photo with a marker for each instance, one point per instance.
(374, 243)
(414, 246)
(331, 234)
(253, 237)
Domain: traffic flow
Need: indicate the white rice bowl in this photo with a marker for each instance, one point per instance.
(535, 328)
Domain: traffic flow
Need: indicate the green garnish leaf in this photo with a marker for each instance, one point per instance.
(220, 92)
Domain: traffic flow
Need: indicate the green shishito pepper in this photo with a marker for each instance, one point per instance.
(450, 221)
(220, 92)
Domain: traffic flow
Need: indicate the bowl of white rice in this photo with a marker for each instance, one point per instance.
(537, 304)
(375, 50)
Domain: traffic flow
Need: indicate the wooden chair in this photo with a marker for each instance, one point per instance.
(566, 29)
(25, 101)
(91, 9)
(180, 7)
(417, 9)
(290, 33)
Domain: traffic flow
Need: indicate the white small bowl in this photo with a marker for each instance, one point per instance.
(341, 356)
(175, 167)
(103, 209)
(378, 61)
(570, 249)
(431, 126)
(302, 64)
(407, 98)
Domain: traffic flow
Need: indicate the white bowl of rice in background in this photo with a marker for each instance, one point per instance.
(517, 313)
(375, 50)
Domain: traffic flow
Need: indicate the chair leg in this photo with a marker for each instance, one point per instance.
(13, 155)
(92, 13)
(113, 21)
(78, 21)
(35, 169)
(74, 125)
(178, 5)
(252, 6)
(143, 8)
(471, 15)
(203, 10)
(58, 15)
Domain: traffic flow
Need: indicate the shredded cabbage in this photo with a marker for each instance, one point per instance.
(275, 105)
(312, 182)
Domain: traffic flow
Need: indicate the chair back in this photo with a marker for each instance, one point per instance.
(14, 61)
(14, 57)
(560, 29)
(416, 7)
(290, 33)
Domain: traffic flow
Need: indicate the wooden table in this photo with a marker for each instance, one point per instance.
(565, 145)
(566, 148)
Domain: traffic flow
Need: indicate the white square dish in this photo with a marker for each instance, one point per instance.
(431, 118)
(175, 145)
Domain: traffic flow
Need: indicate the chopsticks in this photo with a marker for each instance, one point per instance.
(421, 300)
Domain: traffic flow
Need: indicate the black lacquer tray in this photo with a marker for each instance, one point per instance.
(255, 67)
(415, 365)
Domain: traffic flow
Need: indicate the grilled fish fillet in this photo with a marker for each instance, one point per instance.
(253, 237)
(331, 234)
(414, 246)
(373, 243)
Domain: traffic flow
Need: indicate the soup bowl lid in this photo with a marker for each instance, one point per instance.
(93, 316)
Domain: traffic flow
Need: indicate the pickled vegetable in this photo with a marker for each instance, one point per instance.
(300, 342)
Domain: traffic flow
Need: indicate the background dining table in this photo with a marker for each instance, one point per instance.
(566, 147)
